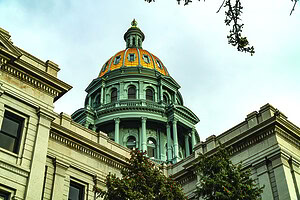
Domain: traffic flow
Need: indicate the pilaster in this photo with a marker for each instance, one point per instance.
(38, 162)
(59, 178)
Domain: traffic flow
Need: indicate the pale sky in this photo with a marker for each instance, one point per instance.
(218, 83)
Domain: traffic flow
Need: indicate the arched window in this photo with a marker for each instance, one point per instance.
(97, 100)
(151, 148)
(131, 92)
(114, 95)
(165, 99)
(131, 142)
(149, 95)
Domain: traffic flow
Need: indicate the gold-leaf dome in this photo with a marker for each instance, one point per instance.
(134, 55)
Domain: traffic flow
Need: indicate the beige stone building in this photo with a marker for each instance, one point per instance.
(46, 155)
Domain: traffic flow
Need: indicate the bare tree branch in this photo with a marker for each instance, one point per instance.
(295, 2)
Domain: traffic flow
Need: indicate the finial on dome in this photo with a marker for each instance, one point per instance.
(134, 37)
(134, 23)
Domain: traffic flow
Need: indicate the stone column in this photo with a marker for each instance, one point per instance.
(187, 145)
(59, 178)
(193, 138)
(162, 147)
(161, 93)
(144, 135)
(102, 95)
(90, 102)
(39, 154)
(117, 130)
(175, 139)
(169, 142)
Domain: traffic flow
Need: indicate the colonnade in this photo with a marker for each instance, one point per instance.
(175, 144)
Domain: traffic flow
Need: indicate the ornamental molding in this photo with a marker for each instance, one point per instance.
(288, 137)
(83, 149)
(244, 144)
(14, 168)
(30, 80)
(187, 179)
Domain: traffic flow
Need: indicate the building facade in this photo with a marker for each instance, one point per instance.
(133, 103)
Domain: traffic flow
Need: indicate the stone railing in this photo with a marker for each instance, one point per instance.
(132, 104)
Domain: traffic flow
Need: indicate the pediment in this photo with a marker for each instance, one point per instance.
(7, 46)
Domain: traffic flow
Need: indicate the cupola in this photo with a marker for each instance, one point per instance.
(134, 37)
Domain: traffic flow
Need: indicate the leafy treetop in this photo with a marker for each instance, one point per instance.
(141, 180)
(220, 179)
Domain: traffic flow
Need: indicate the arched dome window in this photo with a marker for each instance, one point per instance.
(165, 99)
(149, 94)
(151, 148)
(114, 95)
(131, 92)
(97, 100)
(131, 142)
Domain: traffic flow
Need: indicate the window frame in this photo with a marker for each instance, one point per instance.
(117, 59)
(159, 64)
(149, 89)
(114, 98)
(146, 58)
(133, 95)
(104, 67)
(133, 145)
(79, 186)
(152, 147)
(129, 57)
(12, 116)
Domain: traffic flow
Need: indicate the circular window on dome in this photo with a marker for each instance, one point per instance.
(159, 64)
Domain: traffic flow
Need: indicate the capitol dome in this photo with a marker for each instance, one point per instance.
(133, 55)
(137, 104)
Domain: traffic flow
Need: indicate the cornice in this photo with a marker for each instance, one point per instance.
(30, 80)
(293, 140)
(244, 143)
(86, 150)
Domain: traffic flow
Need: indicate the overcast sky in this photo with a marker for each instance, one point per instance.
(218, 83)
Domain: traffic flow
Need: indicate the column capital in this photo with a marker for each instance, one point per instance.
(144, 119)
(167, 125)
(174, 121)
(117, 120)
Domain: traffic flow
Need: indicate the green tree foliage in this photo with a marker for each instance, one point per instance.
(220, 179)
(141, 180)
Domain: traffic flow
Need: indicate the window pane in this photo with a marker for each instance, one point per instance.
(7, 142)
(10, 127)
(75, 191)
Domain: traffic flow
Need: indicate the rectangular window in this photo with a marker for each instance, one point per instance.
(146, 58)
(131, 57)
(4, 195)
(76, 191)
(10, 133)
(117, 60)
